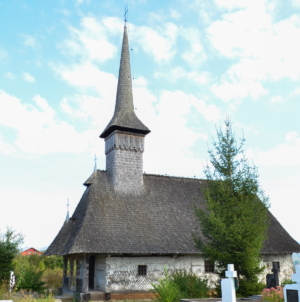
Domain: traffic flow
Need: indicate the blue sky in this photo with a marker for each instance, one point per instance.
(193, 63)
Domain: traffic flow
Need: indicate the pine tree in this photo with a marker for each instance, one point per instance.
(235, 220)
(9, 248)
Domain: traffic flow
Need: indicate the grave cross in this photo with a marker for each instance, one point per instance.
(230, 273)
(227, 285)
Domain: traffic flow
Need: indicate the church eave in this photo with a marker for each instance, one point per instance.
(113, 128)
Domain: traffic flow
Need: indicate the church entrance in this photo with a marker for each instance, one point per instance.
(92, 272)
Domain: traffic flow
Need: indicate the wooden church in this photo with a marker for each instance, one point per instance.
(129, 226)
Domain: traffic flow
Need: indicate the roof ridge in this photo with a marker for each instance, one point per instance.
(172, 176)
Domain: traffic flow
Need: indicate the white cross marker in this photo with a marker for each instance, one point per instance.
(227, 285)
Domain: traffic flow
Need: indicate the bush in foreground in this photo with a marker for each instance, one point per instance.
(180, 284)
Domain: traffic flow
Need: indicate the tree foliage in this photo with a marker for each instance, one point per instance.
(9, 248)
(38, 273)
(235, 219)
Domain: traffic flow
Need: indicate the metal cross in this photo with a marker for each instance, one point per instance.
(95, 167)
(126, 13)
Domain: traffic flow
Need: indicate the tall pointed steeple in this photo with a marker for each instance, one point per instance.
(124, 135)
(124, 118)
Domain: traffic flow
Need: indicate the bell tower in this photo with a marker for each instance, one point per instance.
(124, 134)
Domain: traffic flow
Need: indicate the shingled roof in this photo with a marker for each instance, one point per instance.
(159, 220)
(124, 117)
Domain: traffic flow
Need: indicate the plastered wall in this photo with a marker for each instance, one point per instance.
(115, 274)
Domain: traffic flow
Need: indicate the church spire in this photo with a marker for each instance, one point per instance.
(124, 118)
(125, 133)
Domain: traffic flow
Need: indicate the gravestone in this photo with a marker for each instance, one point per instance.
(292, 291)
(228, 285)
(273, 279)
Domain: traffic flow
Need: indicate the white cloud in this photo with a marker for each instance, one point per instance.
(9, 75)
(91, 41)
(38, 130)
(175, 14)
(238, 90)
(270, 43)
(140, 82)
(65, 12)
(87, 75)
(179, 73)
(277, 99)
(5, 148)
(195, 55)
(30, 41)
(296, 3)
(284, 154)
(291, 136)
(296, 91)
(28, 77)
(92, 110)
(158, 42)
(3, 54)
(176, 136)
(264, 50)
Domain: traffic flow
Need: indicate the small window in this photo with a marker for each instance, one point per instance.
(142, 270)
(209, 267)
(276, 265)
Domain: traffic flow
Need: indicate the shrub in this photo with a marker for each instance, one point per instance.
(52, 262)
(36, 273)
(52, 278)
(180, 284)
(190, 285)
(287, 281)
(249, 287)
(4, 290)
(30, 279)
(166, 290)
(273, 294)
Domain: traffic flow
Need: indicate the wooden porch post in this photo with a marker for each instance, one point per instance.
(65, 271)
(71, 273)
(85, 273)
(78, 284)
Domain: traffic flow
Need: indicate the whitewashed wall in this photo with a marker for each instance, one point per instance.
(121, 273)
(286, 266)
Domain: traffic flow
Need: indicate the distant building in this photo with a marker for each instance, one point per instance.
(129, 226)
(31, 251)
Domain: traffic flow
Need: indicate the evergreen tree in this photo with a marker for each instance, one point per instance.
(235, 220)
(9, 248)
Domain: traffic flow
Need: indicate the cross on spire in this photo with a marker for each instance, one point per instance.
(95, 159)
(126, 13)
(67, 217)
